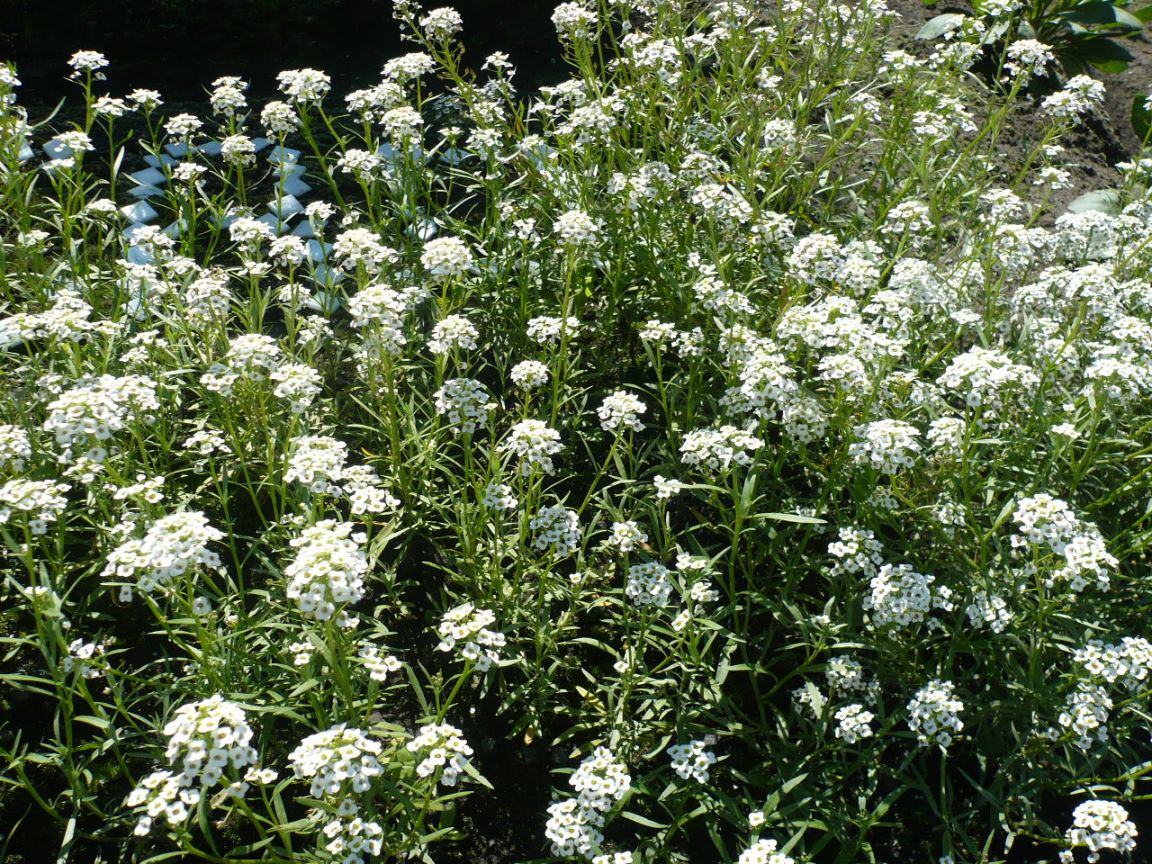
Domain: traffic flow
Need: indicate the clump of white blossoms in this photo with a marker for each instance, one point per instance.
(446, 257)
(934, 713)
(556, 528)
(852, 723)
(621, 410)
(1044, 521)
(573, 824)
(466, 628)
(626, 536)
(440, 25)
(984, 377)
(444, 750)
(499, 496)
(251, 357)
(317, 461)
(902, 597)
(15, 448)
(691, 761)
(718, 449)
(763, 851)
(41, 502)
(648, 584)
(169, 548)
(573, 21)
(535, 443)
(336, 762)
(96, 410)
(304, 86)
(529, 374)
(888, 446)
(328, 569)
(1099, 825)
(205, 739)
(453, 332)
(547, 330)
(466, 402)
(576, 229)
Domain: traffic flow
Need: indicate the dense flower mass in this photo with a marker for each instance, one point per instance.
(743, 437)
(328, 571)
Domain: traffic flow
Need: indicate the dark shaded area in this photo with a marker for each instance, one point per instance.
(179, 46)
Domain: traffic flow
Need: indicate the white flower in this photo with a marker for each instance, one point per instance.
(576, 228)
(556, 528)
(691, 760)
(621, 410)
(852, 723)
(453, 332)
(445, 751)
(529, 374)
(446, 257)
(328, 570)
(934, 714)
(1101, 825)
(466, 627)
(534, 442)
(718, 449)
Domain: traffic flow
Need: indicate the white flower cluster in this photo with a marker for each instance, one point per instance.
(337, 761)
(169, 548)
(934, 714)
(42, 501)
(205, 738)
(446, 751)
(1100, 825)
(1046, 521)
(546, 330)
(556, 528)
(902, 597)
(499, 496)
(626, 536)
(453, 333)
(15, 448)
(718, 449)
(251, 357)
(529, 374)
(298, 384)
(576, 229)
(573, 824)
(648, 585)
(304, 86)
(1086, 714)
(379, 665)
(692, 760)
(852, 723)
(100, 408)
(621, 410)
(1127, 662)
(988, 610)
(446, 257)
(317, 461)
(763, 851)
(466, 402)
(466, 627)
(983, 377)
(857, 551)
(328, 569)
(380, 311)
(535, 443)
(888, 446)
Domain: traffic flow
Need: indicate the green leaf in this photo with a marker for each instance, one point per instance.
(941, 24)
(1144, 13)
(1142, 116)
(794, 517)
(1103, 54)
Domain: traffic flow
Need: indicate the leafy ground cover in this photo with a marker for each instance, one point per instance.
(736, 452)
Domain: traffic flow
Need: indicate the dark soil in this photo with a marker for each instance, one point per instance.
(1095, 147)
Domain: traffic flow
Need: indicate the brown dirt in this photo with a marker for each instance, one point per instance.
(1093, 148)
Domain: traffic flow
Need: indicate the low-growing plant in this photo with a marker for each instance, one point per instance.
(728, 453)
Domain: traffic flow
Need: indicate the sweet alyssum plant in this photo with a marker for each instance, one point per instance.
(728, 435)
